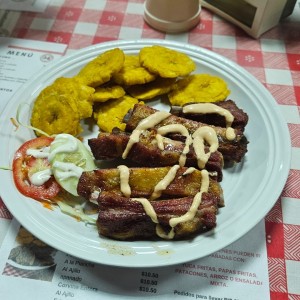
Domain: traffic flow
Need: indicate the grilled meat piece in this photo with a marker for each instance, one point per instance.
(142, 182)
(146, 152)
(240, 117)
(233, 151)
(134, 217)
(125, 219)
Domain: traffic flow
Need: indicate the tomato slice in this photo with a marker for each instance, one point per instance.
(25, 165)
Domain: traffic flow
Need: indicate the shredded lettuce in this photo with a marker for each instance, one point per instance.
(76, 212)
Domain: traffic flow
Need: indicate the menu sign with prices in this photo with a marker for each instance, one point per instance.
(238, 272)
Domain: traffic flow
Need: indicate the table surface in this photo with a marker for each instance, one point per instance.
(274, 59)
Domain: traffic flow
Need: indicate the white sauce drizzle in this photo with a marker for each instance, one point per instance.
(189, 171)
(175, 128)
(67, 170)
(68, 144)
(149, 210)
(39, 178)
(145, 124)
(39, 153)
(200, 136)
(186, 149)
(190, 214)
(160, 142)
(163, 184)
(212, 108)
(124, 180)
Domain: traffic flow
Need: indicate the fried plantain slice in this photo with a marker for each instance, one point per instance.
(110, 114)
(101, 68)
(83, 95)
(198, 88)
(108, 92)
(166, 62)
(55, 116)
(60, 107)
(132, 72)
(159, 86)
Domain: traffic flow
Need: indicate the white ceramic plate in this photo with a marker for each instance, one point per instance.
(251, 188)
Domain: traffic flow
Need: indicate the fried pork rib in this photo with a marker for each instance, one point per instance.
(240, 117)
(150, 203)
(125, 218)
(143, 181)
(233, 151)
(146, 152)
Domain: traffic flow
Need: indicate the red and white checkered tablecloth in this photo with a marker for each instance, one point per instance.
(274, 59)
